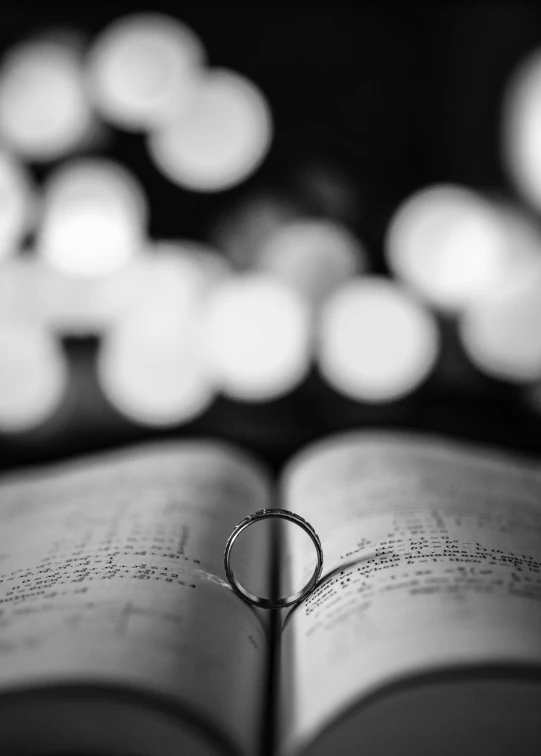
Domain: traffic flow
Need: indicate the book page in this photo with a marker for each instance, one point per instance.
(432, 552)
(111, 572)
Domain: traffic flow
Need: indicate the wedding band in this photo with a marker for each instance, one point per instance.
(294, 598)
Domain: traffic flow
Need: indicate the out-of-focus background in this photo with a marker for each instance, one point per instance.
(267, 225)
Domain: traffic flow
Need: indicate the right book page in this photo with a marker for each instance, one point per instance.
(432, 552)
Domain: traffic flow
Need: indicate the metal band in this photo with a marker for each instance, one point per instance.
(251, 598)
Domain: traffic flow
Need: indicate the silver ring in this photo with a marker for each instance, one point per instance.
(294, 598)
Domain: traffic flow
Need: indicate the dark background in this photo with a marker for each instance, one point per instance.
(388, 98)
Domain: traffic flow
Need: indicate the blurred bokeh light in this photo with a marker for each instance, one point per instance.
(447, 242)
(44, 109)
(257, 337)
(313, 256)
(235, 223)
(502, 333)
(219, 138)
(94, 218)
(521, 128)
(17, 204)
(375, 342)
(21, 288)
(82, 307)
(33, 375)
(151, 364)
(243, 230)
(143, 70)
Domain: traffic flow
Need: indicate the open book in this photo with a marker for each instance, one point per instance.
(119, 634)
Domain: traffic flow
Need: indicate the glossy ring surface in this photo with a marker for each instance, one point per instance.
(251, 598)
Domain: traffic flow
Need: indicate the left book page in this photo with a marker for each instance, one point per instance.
(117, 631)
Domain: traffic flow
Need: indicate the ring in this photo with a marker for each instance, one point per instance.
(251, 598)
